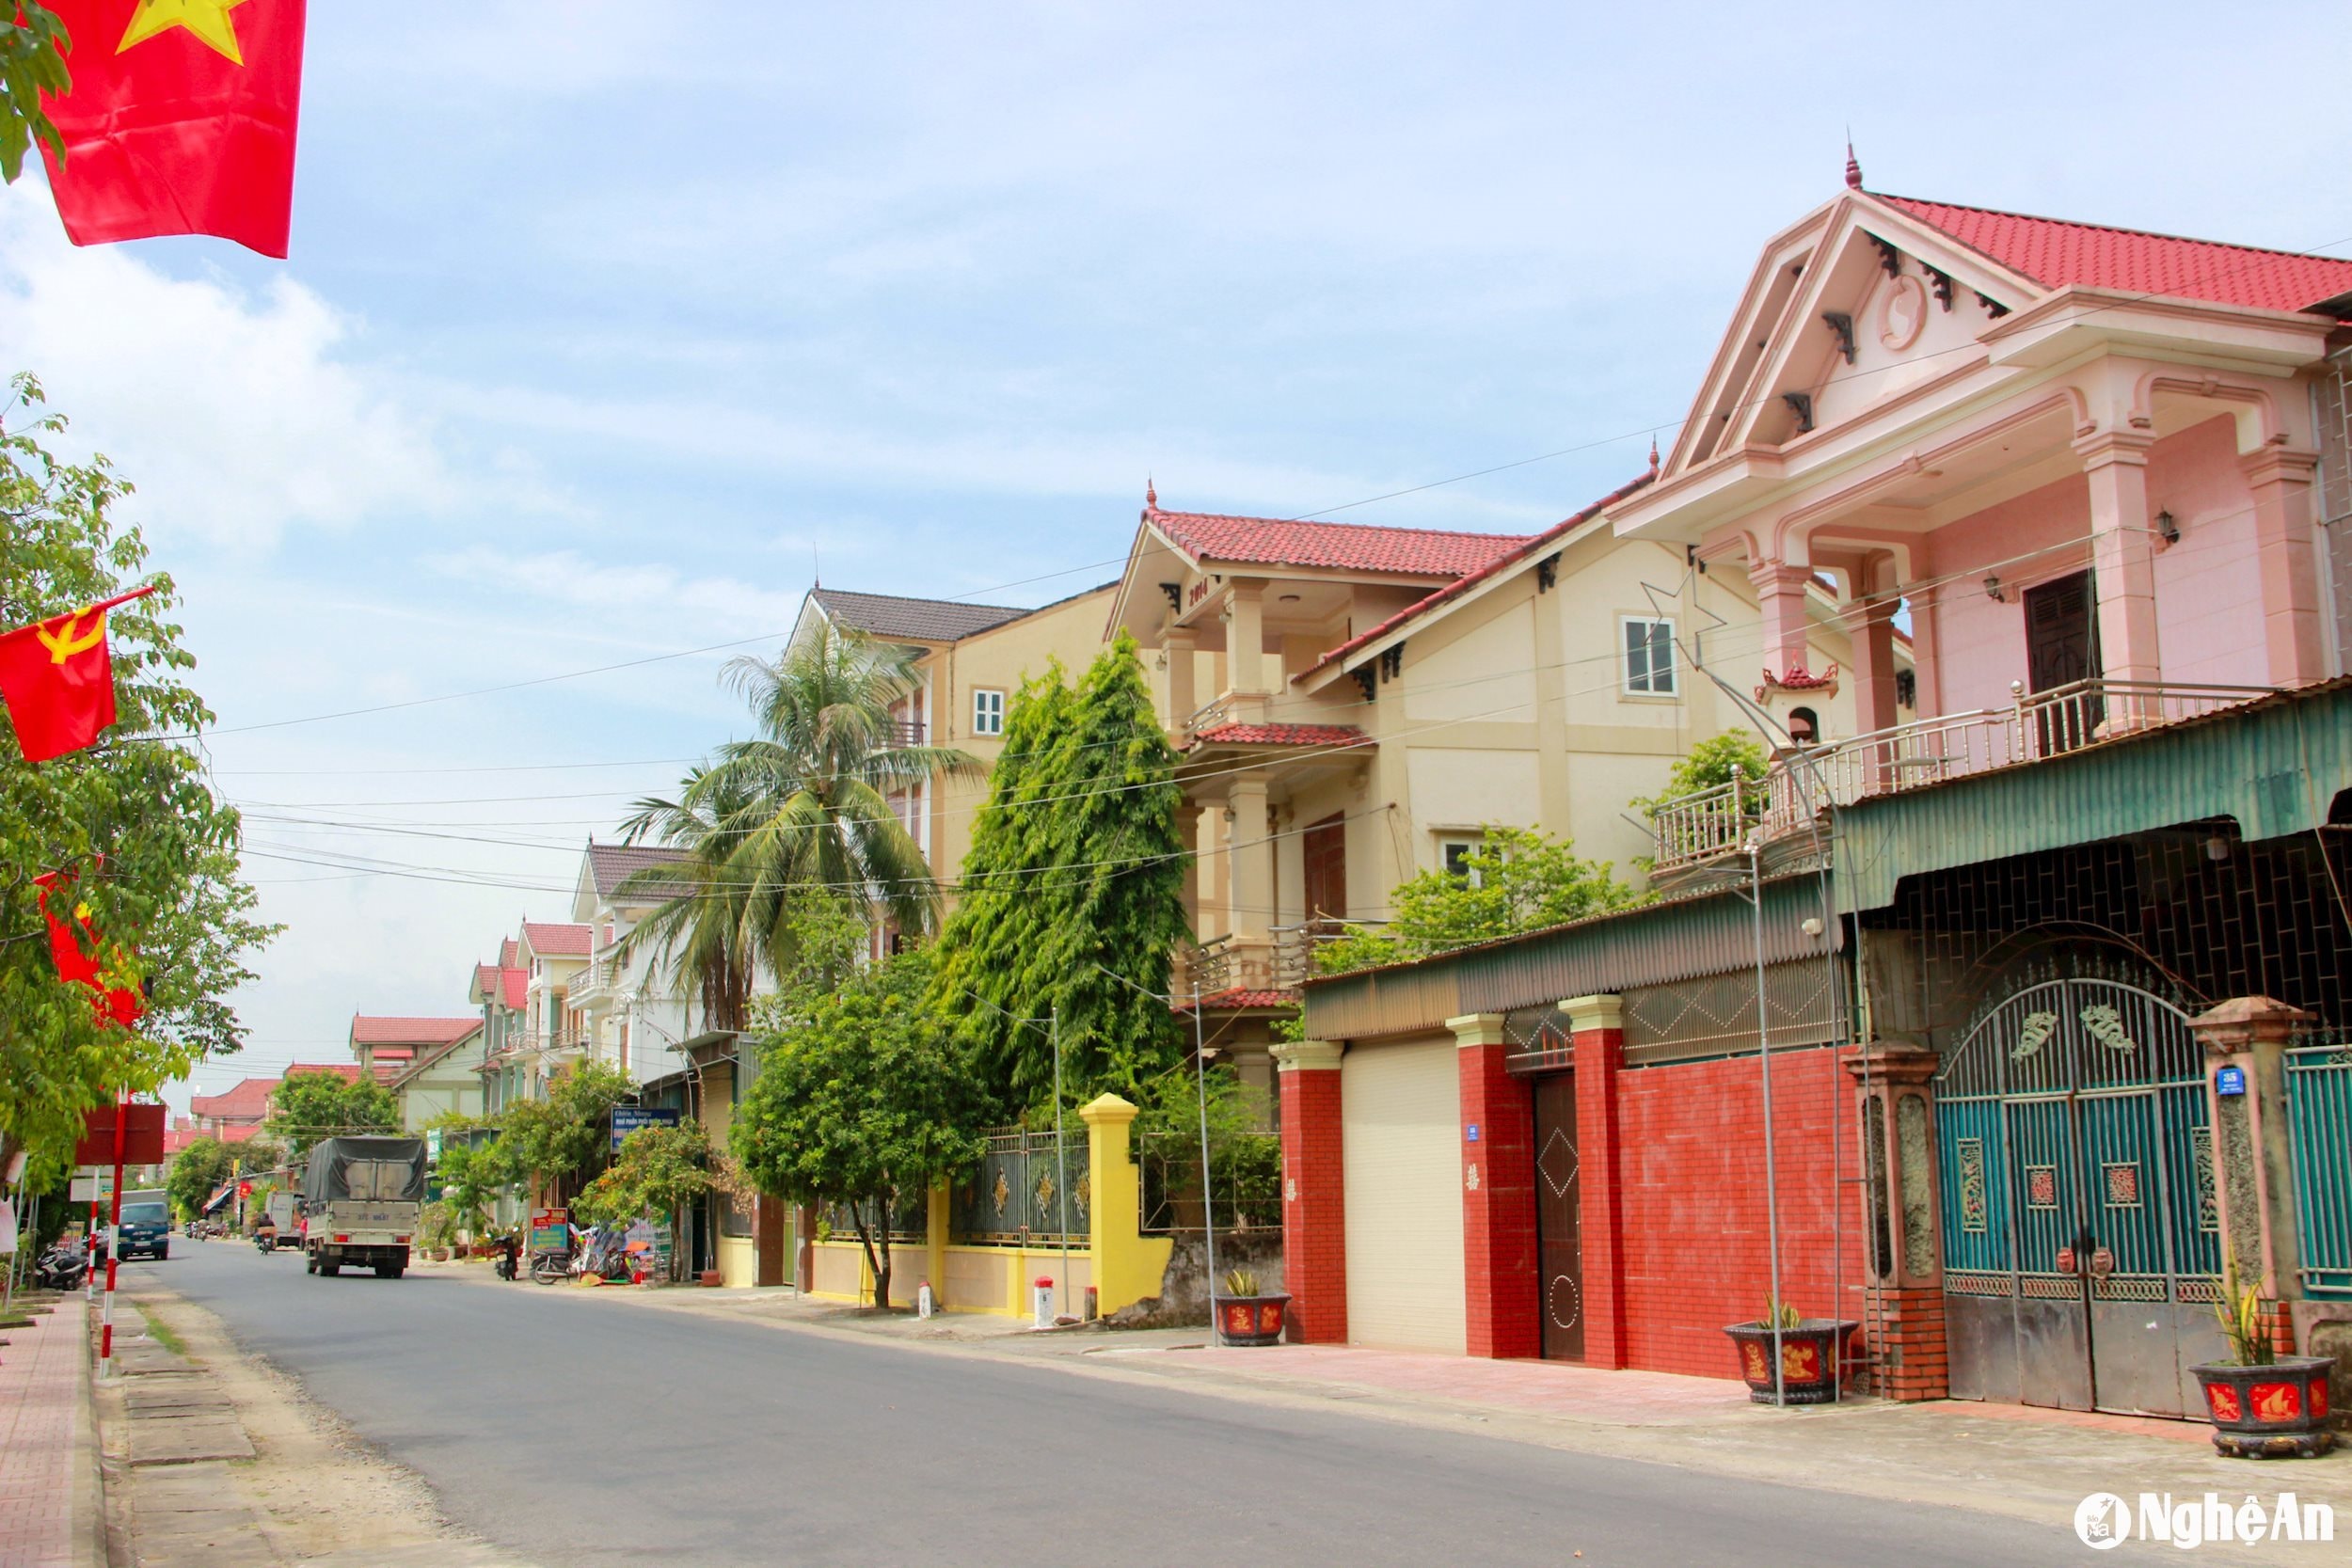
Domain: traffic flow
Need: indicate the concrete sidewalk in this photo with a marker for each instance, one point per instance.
(2010, 1460)
(50, 1512)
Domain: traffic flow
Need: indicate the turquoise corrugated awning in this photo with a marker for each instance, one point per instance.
(2275, 765)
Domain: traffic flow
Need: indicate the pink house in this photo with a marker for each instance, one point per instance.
(2079, 464)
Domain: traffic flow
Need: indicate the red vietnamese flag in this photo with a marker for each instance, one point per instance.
(59, 680)
(180, 120)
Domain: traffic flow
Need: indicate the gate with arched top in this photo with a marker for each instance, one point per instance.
(2081, 1236)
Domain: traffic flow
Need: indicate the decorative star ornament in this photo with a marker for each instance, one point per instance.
(207, 19)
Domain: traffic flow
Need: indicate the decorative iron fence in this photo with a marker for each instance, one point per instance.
(2319, 1128)
(1247, 1170)
(910, 1218)
(1023, 1190)
(1716, 822)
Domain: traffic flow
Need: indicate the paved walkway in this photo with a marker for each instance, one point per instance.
(47, 1508)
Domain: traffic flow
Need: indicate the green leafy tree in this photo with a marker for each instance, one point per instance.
(32, 62)
(153, 850)
(657, 1172)
(1708, 765)
(1245, 1153)
(196, 1172)
(805, 804)
(307, 1106)
(471, 1171)
(1072, 893)
(859, 1101)
(1514, 881)
(1716, 819)
(553, 1145)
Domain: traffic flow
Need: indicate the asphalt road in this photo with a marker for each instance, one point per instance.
(575, 1429)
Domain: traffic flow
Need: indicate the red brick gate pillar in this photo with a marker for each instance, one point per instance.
(1902, 1240)
(1499, 1278)
(1314, 1198)
(1597, 1030)
(2254, 1163)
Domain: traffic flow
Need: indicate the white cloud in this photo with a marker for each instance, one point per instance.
(239, 414)
(649, 594)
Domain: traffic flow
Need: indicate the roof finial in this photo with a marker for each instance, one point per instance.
(1151, 492)
(1653, 453)
(1854, 169)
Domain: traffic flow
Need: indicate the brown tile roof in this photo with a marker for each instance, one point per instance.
(610, 865)
(922, 620)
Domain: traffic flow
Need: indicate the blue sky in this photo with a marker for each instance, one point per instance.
(595, 335)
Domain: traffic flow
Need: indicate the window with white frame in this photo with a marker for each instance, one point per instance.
(1650, 656)
(988, 712)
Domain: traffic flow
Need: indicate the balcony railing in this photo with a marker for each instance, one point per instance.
(595, 979)
(1296, 946)
(1694, 828)
(903, 732)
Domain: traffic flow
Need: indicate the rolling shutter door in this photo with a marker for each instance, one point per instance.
(1401, 1110)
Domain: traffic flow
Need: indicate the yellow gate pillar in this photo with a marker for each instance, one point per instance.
(1128, 1265)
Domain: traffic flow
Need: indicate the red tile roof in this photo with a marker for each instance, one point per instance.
(246, 1101)
(509, 951)
(486, 978)
(1281, 735)
(553, 941)
(1241, 996)
(1531, 547)
(1345, 547)
(411, 1030)
(347, 1071)
(2054, 253)
(514, 987)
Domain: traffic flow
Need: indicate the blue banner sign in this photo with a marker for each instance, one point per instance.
(635, 1118)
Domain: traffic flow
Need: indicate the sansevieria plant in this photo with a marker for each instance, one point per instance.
(2240, 1313)
(1241, 1282)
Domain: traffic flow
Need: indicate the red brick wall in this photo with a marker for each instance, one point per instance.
(1314, 1207)
(1691, 1200)
(1599, 1138)
(1499, 1272)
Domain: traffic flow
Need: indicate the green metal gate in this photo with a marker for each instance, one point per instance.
(2081, 1236)
(2319, 1123)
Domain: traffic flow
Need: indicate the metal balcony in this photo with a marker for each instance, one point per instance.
(1692, 829)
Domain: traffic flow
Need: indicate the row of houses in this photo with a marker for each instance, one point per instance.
(2023, 545)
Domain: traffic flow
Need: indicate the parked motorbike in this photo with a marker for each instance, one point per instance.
(61, 1268)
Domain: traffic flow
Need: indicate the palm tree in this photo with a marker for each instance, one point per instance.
(801, 810)
(705, 930)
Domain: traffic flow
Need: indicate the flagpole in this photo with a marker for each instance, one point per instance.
(119, 599)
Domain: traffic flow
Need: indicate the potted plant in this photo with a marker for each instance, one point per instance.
(1811, 1350)
(1246, 1315)
(2264, 1404)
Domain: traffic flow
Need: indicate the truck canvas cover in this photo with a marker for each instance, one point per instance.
(365, 1170)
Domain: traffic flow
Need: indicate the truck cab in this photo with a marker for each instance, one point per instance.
(146, 1226)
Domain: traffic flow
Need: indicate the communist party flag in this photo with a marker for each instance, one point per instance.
(59, 680)
(76, 967)
(180, 120)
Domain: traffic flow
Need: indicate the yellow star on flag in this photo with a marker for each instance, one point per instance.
(207, 19)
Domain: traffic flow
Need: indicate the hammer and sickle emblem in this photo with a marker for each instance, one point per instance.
(70, 639)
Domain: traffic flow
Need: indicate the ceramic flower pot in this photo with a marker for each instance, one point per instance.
(1250, 1320)
(2274, 1410)
(1809, 1359)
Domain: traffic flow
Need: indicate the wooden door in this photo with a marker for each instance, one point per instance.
(2061, 632)
(1325, 845)
(1559, 1218)
(2061, 648)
